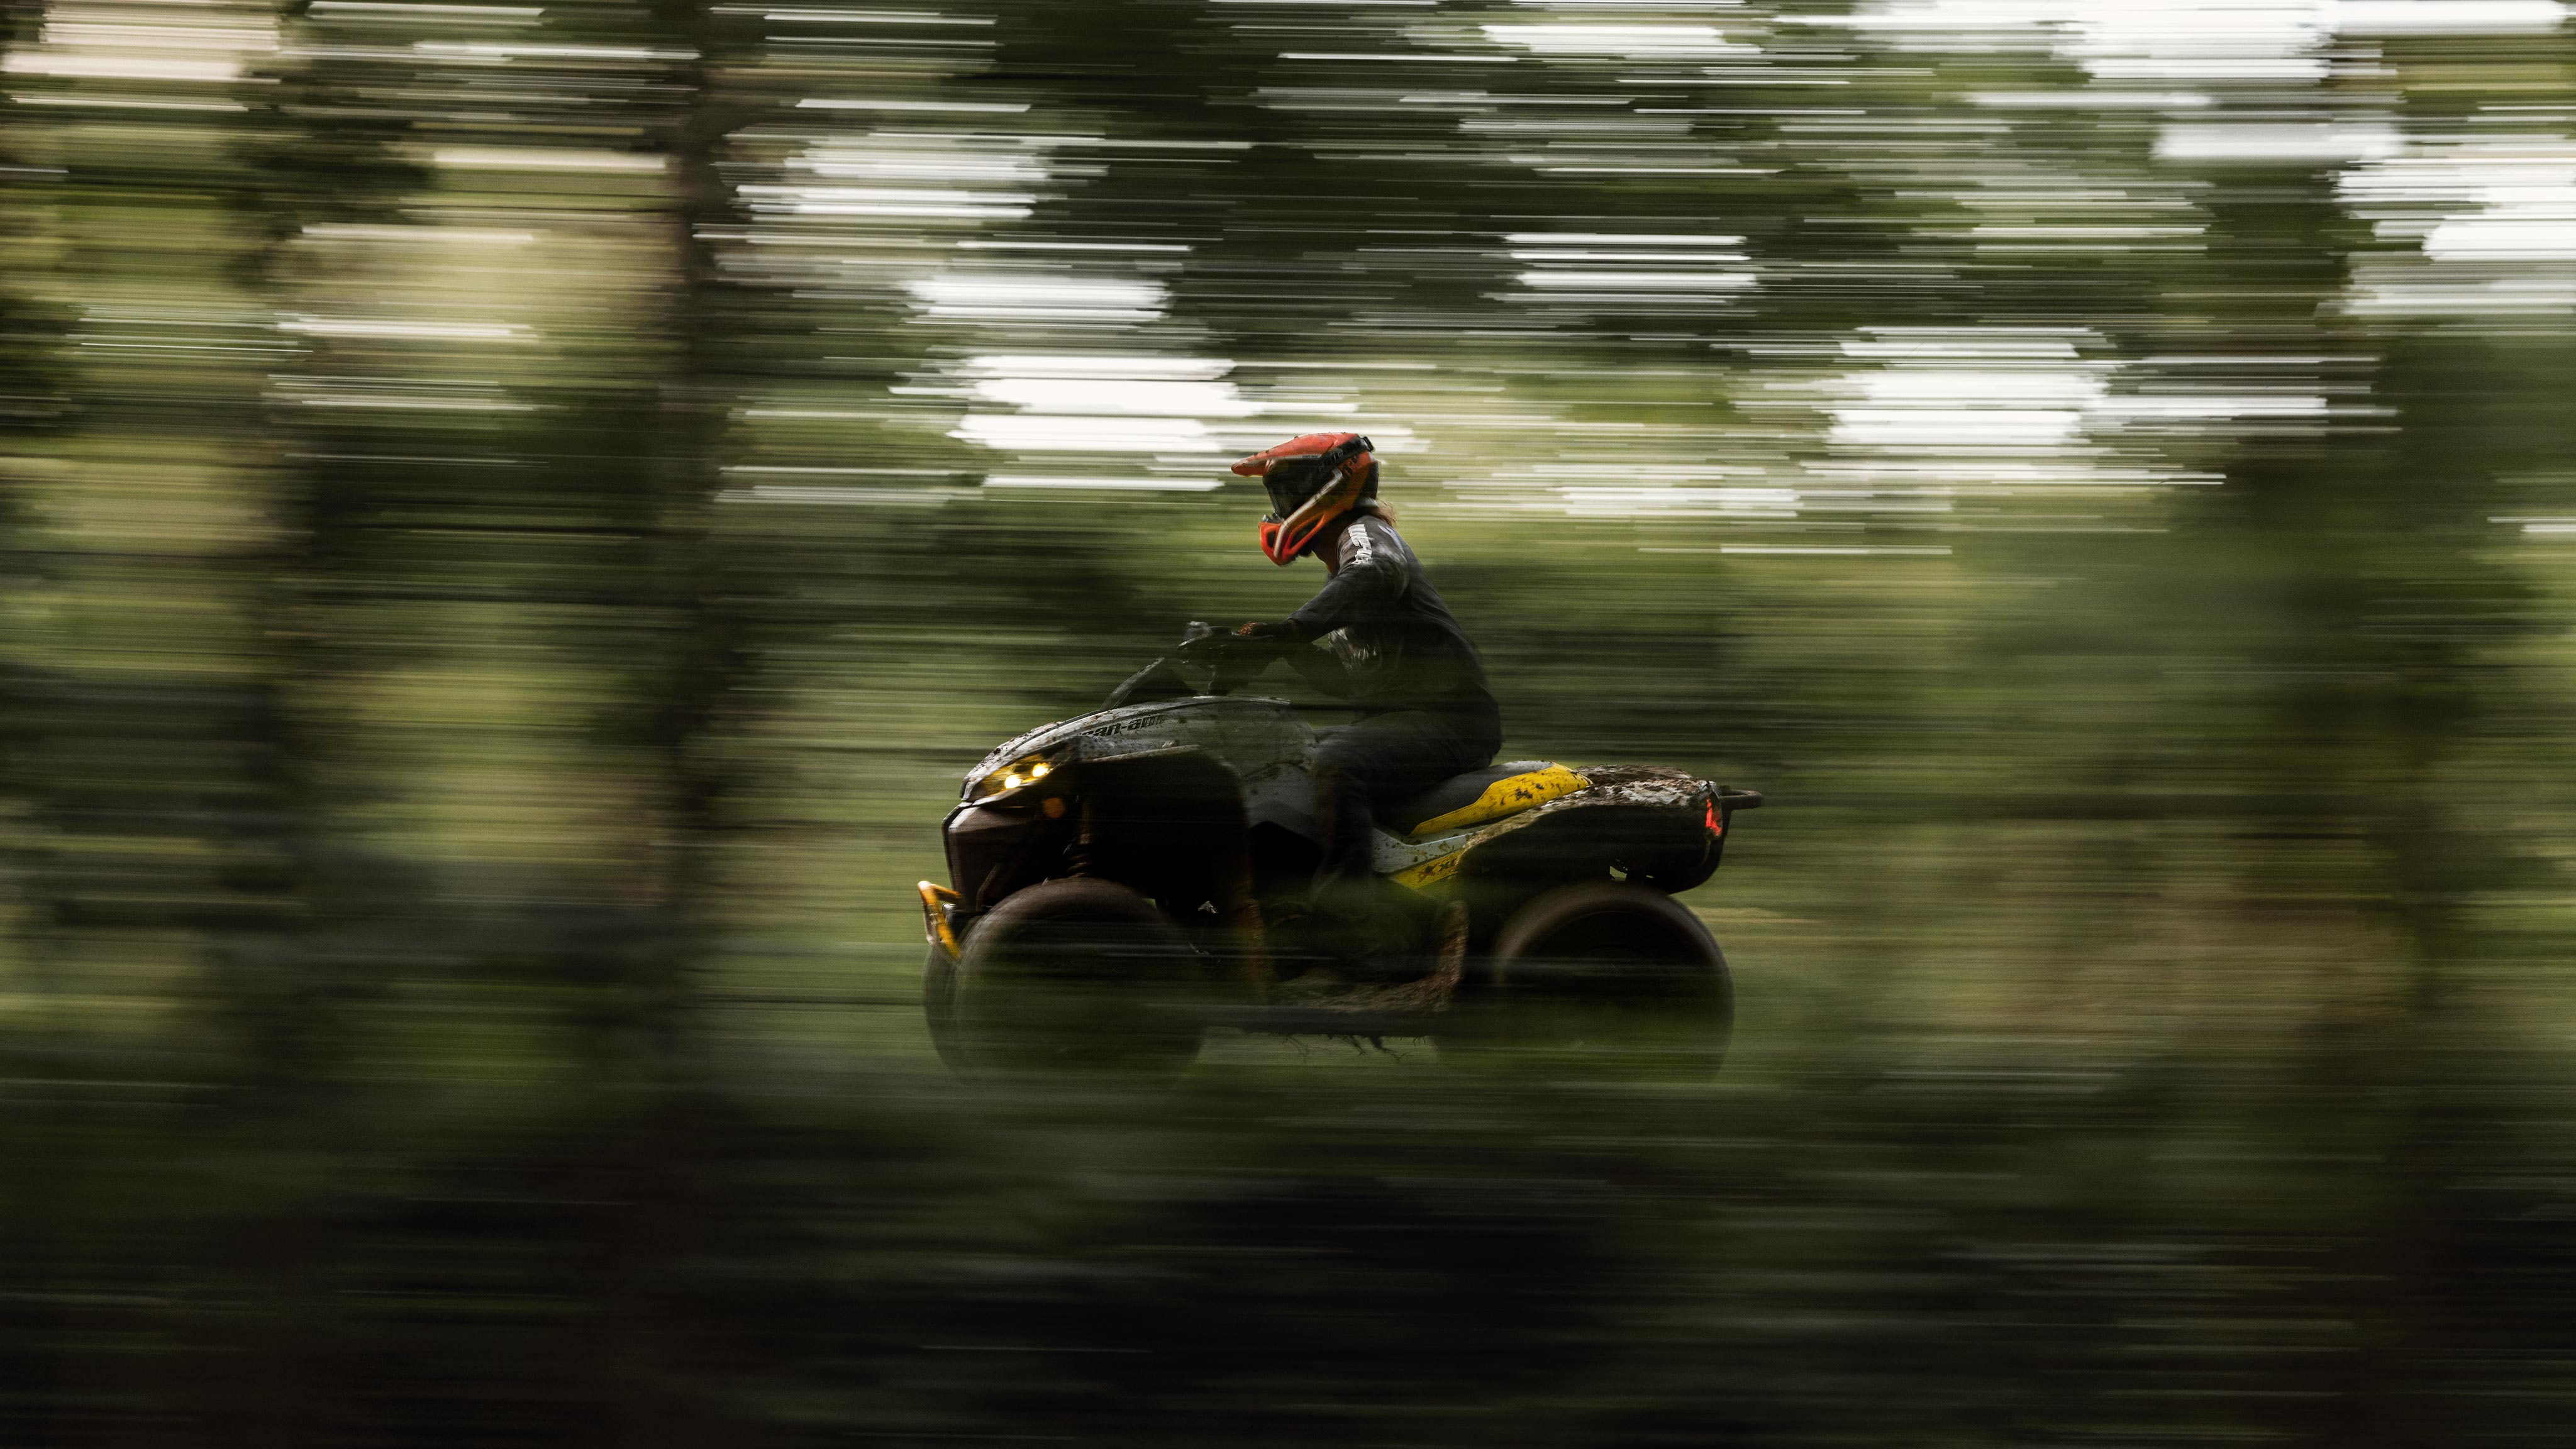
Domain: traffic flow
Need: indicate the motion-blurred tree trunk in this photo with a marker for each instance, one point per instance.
(703, 656)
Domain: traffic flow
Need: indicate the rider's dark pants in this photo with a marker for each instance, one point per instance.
(1384, 759)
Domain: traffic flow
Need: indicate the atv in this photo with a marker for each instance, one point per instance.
(1122, 882)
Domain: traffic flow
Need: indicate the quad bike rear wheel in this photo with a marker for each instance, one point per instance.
(1599, 979)
(1076, 976)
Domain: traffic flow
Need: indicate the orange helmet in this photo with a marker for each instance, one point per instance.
(1312, 480)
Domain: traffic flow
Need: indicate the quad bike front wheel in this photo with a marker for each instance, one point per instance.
(1078, 977)
(1600, 979)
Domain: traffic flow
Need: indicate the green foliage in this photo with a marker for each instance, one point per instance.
(502, 577)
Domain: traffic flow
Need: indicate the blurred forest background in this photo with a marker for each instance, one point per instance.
(517, 516)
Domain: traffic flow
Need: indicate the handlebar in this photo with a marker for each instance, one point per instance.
(1231, 663)
(1231, 660)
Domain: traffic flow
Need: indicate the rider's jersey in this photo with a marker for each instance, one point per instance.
(1392, 642)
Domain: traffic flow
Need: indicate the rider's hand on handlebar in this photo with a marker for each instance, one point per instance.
(1208, 648)
(1252, 641)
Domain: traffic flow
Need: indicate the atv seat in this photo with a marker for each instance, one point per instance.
(1481, 795)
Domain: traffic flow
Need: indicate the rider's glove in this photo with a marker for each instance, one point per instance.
(1269, 633)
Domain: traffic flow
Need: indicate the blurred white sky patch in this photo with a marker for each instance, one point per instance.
(910, 178)
(1924, 428)
(2276, 142)
(2164, 42)
(1037, 296)
(151, 44)
(1092, 366)
(2476, 222)
(1937, 413)
(1182, 411)
(917, 203)
(2445, 17)
(1612, 270)
(1131, 408)
(1970, 392)
(1058, 351)
(2160, 41)
(2167, 41)
(919, 159)
(1619, 41)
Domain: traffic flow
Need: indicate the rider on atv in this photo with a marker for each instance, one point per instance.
(1388, 644)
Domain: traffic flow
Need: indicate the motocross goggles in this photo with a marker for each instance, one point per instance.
(1311, 480)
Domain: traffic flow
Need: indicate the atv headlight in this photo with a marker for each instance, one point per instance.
(1027, 770)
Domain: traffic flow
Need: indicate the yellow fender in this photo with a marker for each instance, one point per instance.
(1507, 796)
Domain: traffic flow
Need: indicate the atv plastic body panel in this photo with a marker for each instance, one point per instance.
(1519, 819)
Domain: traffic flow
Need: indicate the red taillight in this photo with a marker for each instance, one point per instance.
(1716, 822)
